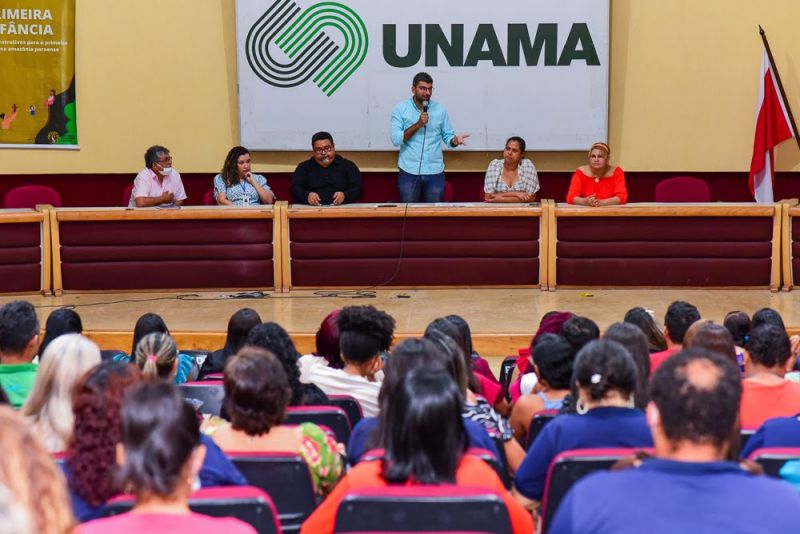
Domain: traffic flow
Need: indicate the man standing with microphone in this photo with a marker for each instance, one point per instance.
(419, 127)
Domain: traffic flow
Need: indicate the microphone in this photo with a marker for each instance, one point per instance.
(424, 106)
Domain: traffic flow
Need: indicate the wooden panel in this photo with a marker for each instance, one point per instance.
(150, 214)
(668, 210)
(478, 209)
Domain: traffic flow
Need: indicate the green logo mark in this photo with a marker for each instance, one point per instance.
(301, 36)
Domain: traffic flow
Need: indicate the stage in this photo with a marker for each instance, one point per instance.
(502, 320)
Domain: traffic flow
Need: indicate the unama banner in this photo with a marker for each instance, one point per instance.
(534, 68)
(37, 74)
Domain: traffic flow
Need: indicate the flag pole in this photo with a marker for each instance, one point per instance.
(780, 84)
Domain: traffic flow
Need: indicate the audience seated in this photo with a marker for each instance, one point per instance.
(738, 324)
(679, 317)
(150, 323)
(633, 339)
(408, 355)
(273, 338)
(552, 362)
(91, 458)
(59, 322)
(424, 443)
(688, 487)
(775, 432)
(765, 392)
(606, 377)
(19, 341)
(708, 336)
(479, 365)
(257, 393)
(239, 325)
(32, 490)
(49, 406)
(645, 320)
(476, 408)
(160, 429)
(364, 333)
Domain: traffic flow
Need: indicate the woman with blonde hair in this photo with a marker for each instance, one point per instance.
(31, 477)
(598, 183)
(49, 406)
(157, 356)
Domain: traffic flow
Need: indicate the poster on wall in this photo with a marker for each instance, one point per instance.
(37, 84)
(534, 68)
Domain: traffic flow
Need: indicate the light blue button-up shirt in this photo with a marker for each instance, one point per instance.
(439, 130)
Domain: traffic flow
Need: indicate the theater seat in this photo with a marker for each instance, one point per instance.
(331, 417)
(569, 467)
(206, 395)
(773, 458)
(448, 192)
(208, 198)
(539, 420)
(350, 405)
(246, 503)
(506, 372)
(683, 189)
(28, 196)
(445, 508)
(285, 477)
(126, 195)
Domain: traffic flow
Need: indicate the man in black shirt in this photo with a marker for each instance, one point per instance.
(326, 178)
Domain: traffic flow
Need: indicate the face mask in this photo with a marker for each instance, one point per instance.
(166, 170)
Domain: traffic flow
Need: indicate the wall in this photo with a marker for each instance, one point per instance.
(684, 77)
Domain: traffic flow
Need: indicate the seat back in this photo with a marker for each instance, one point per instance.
(773, 458)
(569, 467)
(331, 417)
(538, 421)
(445, 508)
(744, 436)
(208, 198)
(28, 196)
(350, 405)
(206, 395)
(285, 477)
(126, 195)
(506, 372)
(108, 354)
(447, 196)
(246, 503)
(683, 189)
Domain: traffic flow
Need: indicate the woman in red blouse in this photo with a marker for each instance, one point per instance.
(598, 183)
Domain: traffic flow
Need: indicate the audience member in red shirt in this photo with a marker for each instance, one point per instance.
(679, 317)
(766, 394)
(598, 183)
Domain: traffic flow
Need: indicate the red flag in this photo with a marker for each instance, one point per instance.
(772, 128)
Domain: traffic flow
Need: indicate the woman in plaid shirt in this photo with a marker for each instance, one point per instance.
(513, 178)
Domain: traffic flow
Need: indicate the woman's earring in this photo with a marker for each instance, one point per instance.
(580, 407)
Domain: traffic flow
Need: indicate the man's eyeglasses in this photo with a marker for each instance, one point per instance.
(323, 149)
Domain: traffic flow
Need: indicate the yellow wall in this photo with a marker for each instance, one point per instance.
(684, 77)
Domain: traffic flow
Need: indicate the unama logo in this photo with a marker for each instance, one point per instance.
(302, 35)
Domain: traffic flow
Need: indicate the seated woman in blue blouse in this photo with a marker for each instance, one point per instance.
(605, 375)
(237, 186)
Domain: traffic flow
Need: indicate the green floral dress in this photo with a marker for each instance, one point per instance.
(318, 449)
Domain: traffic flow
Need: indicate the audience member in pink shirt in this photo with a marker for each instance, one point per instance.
(679, 317)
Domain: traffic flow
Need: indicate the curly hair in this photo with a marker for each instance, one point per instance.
(31, 476)
(97, 403)
(256, 391)
(364, 332)
(272, 338)
(230, 170)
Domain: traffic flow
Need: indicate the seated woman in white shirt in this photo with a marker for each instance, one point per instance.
(235, 185)
(513, 178)
(365, 333)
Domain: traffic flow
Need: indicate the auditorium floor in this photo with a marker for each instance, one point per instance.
(501, 319)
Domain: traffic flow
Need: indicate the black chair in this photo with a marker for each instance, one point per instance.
(499, 444)
(506, 372)
(350, 405)
(331, 417)
(493, 462)
(744, 436)
(245, 503)
(569, 467)
(772, 459)
(206, 396)
(539, 420)
(285, 478)
(423, 509)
